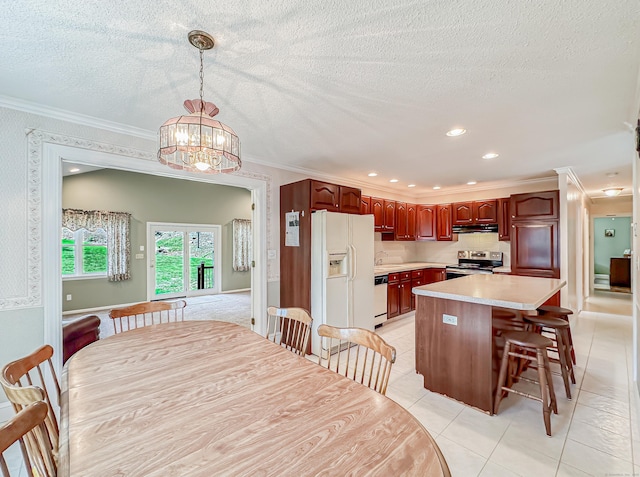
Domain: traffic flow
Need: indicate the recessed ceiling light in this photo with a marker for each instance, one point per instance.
(393, 180)
(471, 183)
(436, 187)
(373, 174)
(411, 185)
(456, 132)
(490, 155)
(612, 191)
(75, 169)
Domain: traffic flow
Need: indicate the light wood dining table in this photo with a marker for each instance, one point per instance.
(203, 398)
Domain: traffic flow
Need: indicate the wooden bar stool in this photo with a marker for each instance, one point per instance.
(562, 313)
(532, 347)
(559, 328)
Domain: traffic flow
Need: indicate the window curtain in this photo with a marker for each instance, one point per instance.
(116, 225)
(241, 245)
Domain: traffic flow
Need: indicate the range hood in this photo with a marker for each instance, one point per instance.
(476, 228)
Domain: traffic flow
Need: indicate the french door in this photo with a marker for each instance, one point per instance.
(183, 260)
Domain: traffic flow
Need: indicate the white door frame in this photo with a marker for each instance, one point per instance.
(151, 266)
(53, 149)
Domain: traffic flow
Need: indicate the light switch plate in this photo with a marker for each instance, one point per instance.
(139, 256)
(450, 319)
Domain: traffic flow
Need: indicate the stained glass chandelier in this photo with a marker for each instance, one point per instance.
(196, 142)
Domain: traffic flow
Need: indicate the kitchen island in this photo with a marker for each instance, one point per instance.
(455, 346)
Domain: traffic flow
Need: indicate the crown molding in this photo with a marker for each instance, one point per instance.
(71, 117)
(575, 179)
(394, 191)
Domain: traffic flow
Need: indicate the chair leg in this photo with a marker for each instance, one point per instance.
(542, 377)
(501, 377)
(566, 338)
(562, 357)
(552, 393)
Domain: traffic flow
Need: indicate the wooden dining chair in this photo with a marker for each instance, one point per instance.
(358, 354)
(289, 327)
(26, 380)
(26, 429)
(146, 314)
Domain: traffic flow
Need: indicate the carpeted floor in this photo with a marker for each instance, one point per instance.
(230, 307)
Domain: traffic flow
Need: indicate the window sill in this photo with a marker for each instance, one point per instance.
(82, 277)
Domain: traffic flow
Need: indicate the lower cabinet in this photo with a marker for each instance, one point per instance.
(399, 294)
(400, 299)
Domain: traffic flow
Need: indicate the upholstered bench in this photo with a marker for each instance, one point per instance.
(79, 333)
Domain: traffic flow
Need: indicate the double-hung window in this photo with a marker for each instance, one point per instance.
(84, 253)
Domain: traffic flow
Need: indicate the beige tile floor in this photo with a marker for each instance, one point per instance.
(596, 433)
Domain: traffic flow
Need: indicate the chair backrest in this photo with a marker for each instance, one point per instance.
(147, 313)
(26, 428)
(289, 327)
(26, 381)
(358, 354)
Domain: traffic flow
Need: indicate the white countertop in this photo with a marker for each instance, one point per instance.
(506, 291)
(502, 270)
(403, 267)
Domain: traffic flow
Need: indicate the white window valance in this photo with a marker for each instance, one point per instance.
(242, 241)
(116, 225)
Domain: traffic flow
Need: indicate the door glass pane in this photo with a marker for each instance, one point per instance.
(201, 260)
(94, 251)
(68, 252)
(169, 254)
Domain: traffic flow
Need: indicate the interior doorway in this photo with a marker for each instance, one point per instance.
(50, 150)
(612, 253)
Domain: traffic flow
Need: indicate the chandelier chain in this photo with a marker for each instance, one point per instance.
(201, 83)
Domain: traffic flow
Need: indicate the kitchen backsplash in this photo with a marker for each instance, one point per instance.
(440, 252)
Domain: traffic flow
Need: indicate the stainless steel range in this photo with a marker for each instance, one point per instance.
(473, 261)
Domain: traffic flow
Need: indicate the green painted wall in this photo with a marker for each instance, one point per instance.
(607, 247)
(151, 198)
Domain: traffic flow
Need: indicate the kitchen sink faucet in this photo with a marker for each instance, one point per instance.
(378, 261)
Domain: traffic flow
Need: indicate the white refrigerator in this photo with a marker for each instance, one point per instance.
(342, 277)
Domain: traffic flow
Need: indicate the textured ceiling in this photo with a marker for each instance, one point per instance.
(347, 87)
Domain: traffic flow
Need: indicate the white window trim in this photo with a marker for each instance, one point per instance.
(78, 259)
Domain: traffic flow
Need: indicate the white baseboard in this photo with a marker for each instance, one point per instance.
(239, 290)
(6, 412)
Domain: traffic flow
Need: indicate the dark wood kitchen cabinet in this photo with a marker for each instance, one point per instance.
(384, 214)
(535, 206)
(426, 222)
(349, 200)
(417, 280)
(485, 211)
(477, 212)
(504, 219)
(399, 294)
(443, 222)
(535, 241)
(462, 213)
(405, 221)
(331, 197)
(365, 205)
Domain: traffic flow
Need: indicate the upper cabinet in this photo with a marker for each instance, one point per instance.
(365, 205)
(535, 247)
(405, 221)
(504, 219)
(477, 212)
(425, 222)
(443, 222)
(313, 195)
(384, 214)
(325, 196)
(333, 197)
(535, 206)
(350, 201)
